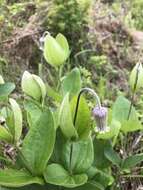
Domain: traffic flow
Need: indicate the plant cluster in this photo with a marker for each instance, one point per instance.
(64, 145)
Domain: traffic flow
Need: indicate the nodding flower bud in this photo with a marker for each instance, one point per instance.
(100, 115)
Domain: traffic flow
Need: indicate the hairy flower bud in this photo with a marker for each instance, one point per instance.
(100, 116)
(32, 85)
(56, 50)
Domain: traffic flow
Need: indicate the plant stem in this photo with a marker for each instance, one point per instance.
(78, 100)
(76, 111)
(60, 69)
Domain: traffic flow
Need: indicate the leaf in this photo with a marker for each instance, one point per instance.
(33, 112)
(114, 131)
(57, 175)
(32, 187)
(5, 135)
(132, 161)
(17, 119)
(65, 119)
(39, 143)
(6, 89)
(120, 113)
(72, 83)
(53, 94)
(100, 176)
(91, 185)
(100, 161)
(83, 117)
(104, 178)
(17, 178)
(82, 155)
(112, 156)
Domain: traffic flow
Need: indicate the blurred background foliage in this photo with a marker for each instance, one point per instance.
(105, 36)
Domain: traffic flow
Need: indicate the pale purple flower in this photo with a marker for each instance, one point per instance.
(100, 115)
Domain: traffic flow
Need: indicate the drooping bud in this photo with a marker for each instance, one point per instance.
(100, 116)
(56, 50)
(136, 77)
(32, 85)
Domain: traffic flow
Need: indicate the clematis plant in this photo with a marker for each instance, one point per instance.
(69, 143)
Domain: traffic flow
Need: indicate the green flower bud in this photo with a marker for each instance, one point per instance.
(136, 77)
(32, 85)
(56, 50)
(1, 80)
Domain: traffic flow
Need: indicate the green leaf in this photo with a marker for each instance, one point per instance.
(132, 161)
(6, 89)
(5, 135)
(104, 178)
(101, 176)
(17, 119)
(100, 161)
(65, 119)
(53, 94)
(82, 155)
(33, 112)
(17, 178)
(83, 117)
(39, 143)
(120, 113)
(114, 131)
(112, 156)
(57, 175)
(72, 83)
(91, 185)
(32, 187)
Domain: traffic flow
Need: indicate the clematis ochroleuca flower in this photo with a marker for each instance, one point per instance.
(33, 86)
(100, 115)
(56, 50)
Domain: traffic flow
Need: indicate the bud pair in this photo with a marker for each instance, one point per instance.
(33, 86)
(56, 50)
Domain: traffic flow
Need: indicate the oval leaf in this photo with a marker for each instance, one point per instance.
(82, 155)
(83, 117)
(17, 178)
(65, 119)
(72, 83)
(6, 89)
(39, 143)
(57, 175)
